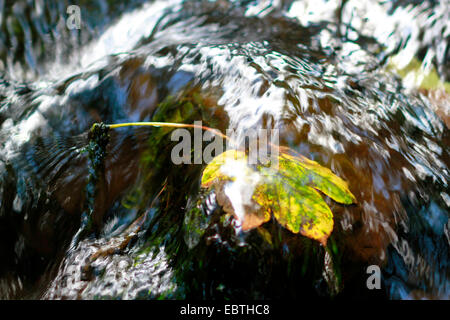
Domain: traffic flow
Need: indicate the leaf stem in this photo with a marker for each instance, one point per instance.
(167, 124)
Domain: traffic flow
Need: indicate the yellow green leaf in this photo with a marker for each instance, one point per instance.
(213, 173)
(298, 208)
(321, 178)
(288, 192)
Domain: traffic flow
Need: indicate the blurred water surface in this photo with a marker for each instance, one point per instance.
(362, 87)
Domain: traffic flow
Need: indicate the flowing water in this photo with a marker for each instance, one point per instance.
(362, 87)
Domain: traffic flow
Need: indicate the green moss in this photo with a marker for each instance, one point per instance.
(423, 80)
(98, 140)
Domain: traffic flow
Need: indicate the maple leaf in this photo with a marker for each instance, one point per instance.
(289, 192)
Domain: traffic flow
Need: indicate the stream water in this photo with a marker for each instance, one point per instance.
(360, 86)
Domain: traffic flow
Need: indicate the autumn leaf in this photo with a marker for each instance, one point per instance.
(213, 172)
(321, 178)
(289, 192)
